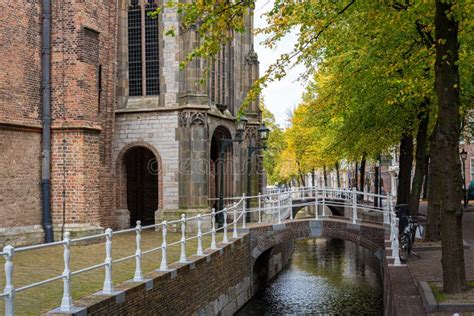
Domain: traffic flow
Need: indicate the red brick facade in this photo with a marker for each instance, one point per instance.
(20, 110)
(83, 39)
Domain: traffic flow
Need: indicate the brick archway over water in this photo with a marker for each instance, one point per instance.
(368, 235)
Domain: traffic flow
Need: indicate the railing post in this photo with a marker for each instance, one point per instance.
(9, 289)
(108, 286)
(290, 203)
(354, 207)
(138, 253)
(279, 209)
(234, 233)
(199, 252)
(259, 207)
(164, 247)
(393, 229)
(386, 214)
(316, 206)
(323, 212)
(213, 231)
(395, 247)
(244, 211)
(66, 302)
(225, 239)
(182, 257)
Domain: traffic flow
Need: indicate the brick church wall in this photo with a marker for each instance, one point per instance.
(20, 110)
(83, 36)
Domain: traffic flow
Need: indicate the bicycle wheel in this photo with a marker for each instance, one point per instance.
(405, 247)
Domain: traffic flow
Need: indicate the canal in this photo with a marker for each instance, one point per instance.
(325, 276)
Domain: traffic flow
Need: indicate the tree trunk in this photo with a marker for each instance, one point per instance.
(303, 182)
(376, 184)
(447, 143)
(433, 214)
(427, 177)
(337, 175)
(356, 182)
(325, 174)
(362, 175)
(404, 173)
(313, 178)
(420, 165)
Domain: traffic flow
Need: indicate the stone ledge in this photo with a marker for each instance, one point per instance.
(431, 305)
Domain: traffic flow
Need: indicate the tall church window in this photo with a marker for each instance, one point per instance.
(218, 79)
(143, 49)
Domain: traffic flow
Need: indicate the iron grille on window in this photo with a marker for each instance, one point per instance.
(143, 51)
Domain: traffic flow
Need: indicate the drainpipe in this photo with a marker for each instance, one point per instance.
(46, 102)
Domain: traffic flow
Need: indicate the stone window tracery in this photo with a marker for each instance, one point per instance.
(218, 79)
(143, 49)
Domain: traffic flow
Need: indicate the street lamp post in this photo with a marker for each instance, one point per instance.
(263, 134)
(240, 128)
(463, 155)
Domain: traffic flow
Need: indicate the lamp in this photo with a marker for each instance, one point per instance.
(240, 126)
(263, 132)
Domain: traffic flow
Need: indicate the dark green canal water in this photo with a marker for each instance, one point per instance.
(326, 276)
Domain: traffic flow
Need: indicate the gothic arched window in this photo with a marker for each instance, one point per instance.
(143, 49)
(218, 78)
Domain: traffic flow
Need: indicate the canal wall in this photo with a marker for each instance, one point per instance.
(223, 280)
(220, 282)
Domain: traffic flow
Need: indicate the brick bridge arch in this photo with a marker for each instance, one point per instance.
(367, 235)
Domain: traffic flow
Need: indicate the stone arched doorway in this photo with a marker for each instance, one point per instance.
(139, 189)
(215, 165)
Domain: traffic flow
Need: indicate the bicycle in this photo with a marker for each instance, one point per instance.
(409, 230)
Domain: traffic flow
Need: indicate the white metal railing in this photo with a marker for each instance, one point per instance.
(273, 207)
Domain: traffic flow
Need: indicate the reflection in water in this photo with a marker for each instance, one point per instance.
(327, 276)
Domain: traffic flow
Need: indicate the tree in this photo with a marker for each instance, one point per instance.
(371, 69)
(447, 85)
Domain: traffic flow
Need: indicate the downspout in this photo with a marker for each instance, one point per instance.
(46, 103)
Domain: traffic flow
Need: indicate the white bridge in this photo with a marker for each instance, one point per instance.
(320, 204)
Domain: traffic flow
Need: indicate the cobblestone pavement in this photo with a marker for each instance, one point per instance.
(428, 266)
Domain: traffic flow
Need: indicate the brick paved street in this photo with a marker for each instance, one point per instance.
(428, 266)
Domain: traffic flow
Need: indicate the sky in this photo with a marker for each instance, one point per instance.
(280, 96)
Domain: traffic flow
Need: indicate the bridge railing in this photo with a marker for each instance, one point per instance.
(236, 212)
(274, 207)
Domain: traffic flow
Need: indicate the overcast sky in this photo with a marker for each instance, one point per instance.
(284, 94)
